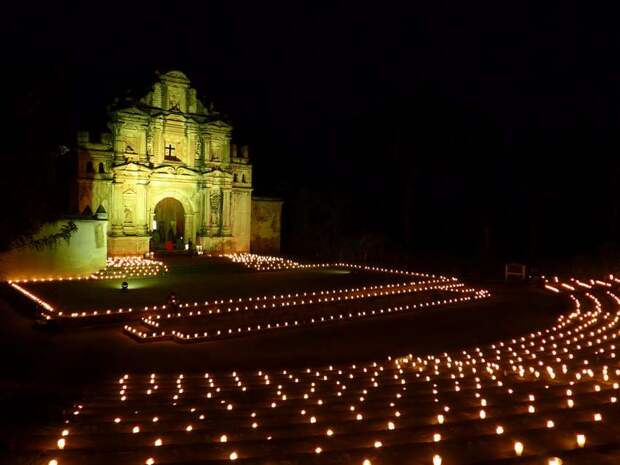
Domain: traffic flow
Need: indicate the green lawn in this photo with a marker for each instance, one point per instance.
(198, 280)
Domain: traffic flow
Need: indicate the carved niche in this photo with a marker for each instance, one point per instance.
(129, 206)
(215, 202)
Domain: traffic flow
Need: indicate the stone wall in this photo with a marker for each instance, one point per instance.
(85, 252)
(266, 225)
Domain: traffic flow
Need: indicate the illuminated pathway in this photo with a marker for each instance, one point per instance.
(548, 397)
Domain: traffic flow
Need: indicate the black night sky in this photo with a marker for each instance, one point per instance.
(438, 132)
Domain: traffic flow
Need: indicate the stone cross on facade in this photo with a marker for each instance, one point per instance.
(169, 151)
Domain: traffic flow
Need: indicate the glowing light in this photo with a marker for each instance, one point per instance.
(437, 459)
(518, 446)
(581, 440)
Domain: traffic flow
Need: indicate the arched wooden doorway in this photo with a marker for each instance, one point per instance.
(169, 226)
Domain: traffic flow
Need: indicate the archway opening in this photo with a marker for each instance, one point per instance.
(169, 225)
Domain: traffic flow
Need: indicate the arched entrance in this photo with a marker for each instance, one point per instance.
(169, 225)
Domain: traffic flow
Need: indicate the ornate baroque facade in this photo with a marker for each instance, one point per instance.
(167, 145)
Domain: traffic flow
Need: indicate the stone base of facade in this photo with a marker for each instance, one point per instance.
(128, 245)
(218, 245)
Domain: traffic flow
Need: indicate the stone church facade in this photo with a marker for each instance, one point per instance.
(167, 145)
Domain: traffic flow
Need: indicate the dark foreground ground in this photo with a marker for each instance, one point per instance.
(44, 372)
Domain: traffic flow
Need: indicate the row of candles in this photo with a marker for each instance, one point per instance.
(181, 336)
(285, 301)
(251, 260)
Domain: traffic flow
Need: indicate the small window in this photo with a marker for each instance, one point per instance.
(101, 168)
(235, 177)
(243, 178)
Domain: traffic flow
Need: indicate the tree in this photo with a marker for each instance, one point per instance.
(38, 162)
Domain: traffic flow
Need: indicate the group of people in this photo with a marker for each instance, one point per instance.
(170, 243)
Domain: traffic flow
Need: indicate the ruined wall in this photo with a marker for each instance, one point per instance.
(85, 252)
(266, 225)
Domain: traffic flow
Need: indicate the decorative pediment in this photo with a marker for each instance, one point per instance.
(182, 170)
(174, 170)
(166, 169)
(130, 167)
(218, 173)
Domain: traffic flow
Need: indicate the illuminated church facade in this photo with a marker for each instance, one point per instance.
(167, 175)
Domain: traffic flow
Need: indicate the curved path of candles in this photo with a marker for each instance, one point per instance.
(548, 397)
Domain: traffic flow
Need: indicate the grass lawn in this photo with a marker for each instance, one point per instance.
(198, 279)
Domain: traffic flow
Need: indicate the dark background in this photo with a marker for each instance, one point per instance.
(452, 135)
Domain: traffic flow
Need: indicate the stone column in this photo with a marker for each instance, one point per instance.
(144, 156)
(226, 212)
(119, 149)
(158, 143)
(142, 218)
(151, 219)
(148, 146)
(117, 208)
(204, 212)
(189, 228)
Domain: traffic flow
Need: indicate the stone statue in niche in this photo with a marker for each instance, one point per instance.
(174, 103)
(216, 147)
(198, 147)
(128, 216)
(149, 141)
(215, 201)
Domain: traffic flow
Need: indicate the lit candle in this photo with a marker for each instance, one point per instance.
(519, 448)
